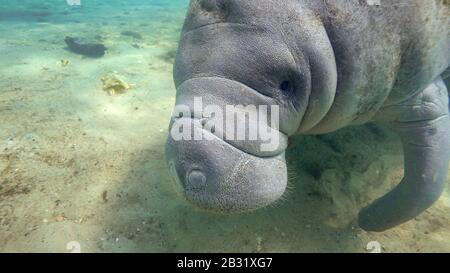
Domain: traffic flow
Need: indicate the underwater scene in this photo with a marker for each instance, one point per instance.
(86, 99)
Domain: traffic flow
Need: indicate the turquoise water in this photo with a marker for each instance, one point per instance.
(81, 163)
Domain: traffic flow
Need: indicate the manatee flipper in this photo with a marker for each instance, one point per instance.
(423, 124)
(446, 77)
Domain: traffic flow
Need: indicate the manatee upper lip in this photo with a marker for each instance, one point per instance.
(283, 140)
(216, 24)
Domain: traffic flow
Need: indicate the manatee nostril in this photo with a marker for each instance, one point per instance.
(203, 122)
(196, 180)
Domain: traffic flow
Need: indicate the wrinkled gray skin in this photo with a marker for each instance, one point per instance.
(327, 64)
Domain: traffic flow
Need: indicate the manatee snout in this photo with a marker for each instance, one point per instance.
(216, 176)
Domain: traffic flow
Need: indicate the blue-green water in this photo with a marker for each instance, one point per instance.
(78, 163)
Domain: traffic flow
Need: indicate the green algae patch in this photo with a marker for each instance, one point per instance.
(114, 85)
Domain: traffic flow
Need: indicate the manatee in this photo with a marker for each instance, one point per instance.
(325, 65)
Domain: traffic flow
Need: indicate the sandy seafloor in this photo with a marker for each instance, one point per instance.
(77, 164)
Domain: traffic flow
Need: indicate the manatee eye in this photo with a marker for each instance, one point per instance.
(286, 86)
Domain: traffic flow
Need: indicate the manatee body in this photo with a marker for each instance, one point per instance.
(326, 65)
